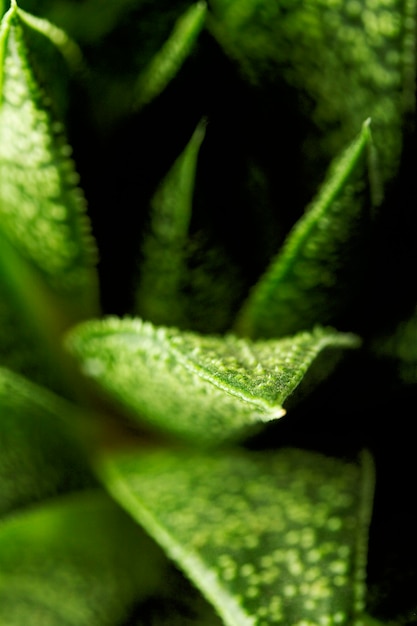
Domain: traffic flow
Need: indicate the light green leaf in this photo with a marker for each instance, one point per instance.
(76, 561)
(42, 210)
(371, 75)
(206, 388)
(269, 538)
(168, 61)
(163, 269)
(61, 41)
(307, 283)
(40, 450)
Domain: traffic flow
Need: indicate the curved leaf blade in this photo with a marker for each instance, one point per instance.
(76, 561)
(289, 527)
(168, 61)
(302, 286)
(206, 388)
(42, 209)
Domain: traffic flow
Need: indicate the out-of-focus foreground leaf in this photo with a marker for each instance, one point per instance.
(202, 387)
(269, 538)
(40, 450)
(75, 561)
(309, 281)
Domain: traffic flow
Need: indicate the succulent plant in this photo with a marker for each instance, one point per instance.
(208, 313)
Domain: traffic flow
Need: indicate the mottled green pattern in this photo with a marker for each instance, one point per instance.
(42, 210)
(75, 561)
(271, 538)
(206, 388)
(168, 61)
(303, 285)
(348, 56)
(163, 271)
(40, 455)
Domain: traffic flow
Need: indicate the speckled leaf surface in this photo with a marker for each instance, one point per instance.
(202, 387)
(42, 209)
(370, 75)
(40, 454)
(159, 296)
(168, 61)
(269, 538)
(76, 561)
(306, 283)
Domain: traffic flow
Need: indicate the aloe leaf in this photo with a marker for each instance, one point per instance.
(40, 450)
(206, 388)
(306, 283)
(269, 538)
(42, 209)
(163, 269)
(168, 61)
(76, 561)
(372, 74)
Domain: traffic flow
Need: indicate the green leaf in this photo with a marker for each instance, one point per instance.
(76, 561)
(159, 296)
(269, 538)
(401, 346)
(372, 74)
(41, 208)
(308, 282)
(88, 21)
(40, 450)
(206, 388)
(168, 61)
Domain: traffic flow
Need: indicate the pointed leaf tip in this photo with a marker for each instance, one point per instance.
(204, 388)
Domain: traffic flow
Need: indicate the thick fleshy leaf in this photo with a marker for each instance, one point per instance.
(75, 561)
(308, 282)
(42, 210)
(168, 61)
(159, 296)
(206, 388)
(372, 74)
(40, 451)
(269, 538)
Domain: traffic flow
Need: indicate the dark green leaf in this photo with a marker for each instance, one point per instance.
(308, 281)
(159, 296)
(354, 60)
(269, 538)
